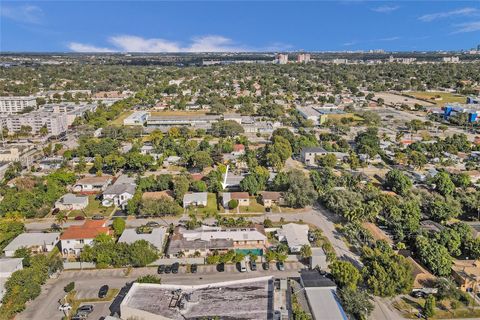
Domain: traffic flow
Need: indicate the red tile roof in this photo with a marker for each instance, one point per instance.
(89, 230)
(239, 195)
(238, 147)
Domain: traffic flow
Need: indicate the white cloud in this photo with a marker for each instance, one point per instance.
(81, 47)
(25, 14)
(207, 43)
(468, 27)
(388, 39)
(440, 15)
(386, 9)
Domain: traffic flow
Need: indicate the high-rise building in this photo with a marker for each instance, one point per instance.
(55, 123)
(303, 58)
(281, 58)
(10, 105)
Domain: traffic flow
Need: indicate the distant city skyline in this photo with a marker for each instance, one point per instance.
(230, 26)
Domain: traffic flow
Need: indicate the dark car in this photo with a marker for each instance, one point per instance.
(87, 308)
(266, 266)
(175, 267)
(418, 294)
(280, 266)
(161, 269)
(102, 293)
(56, 210)
(153, 224)
(193, 268)
(221, 267)
(79, 218)
(253, 265)
(168, 269)
(97, 217)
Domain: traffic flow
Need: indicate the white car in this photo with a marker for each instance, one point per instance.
(65, 307)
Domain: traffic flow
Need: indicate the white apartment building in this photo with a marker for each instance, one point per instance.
(56, 123)
(10, 105)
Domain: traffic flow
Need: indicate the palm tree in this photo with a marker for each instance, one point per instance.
(306, 251)
(61, 218)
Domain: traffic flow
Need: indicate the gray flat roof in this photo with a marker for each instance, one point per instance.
(32, 239)
(241, 299)
(324, 304)
(155, 238)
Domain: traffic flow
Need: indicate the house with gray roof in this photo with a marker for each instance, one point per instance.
(195, 199)
(155, 238)
(36, 241)
(72, 201)
(120, 192)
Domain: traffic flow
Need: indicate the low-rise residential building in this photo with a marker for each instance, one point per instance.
(205, 240)
(308, 155)
(92, 184)
(318, 259)
(119, 193)
(467, 274)
(155, 238)
(196, 199)
(138, 118)
(71, 201)
(74, 238)
(37, 242)
(321, 296)
(17, 104)
(9, 155)
(295, 235)
(239, 299)
(271, 198)
(242, 198)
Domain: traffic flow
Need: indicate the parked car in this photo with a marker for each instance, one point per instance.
(153, 224)
(79, 316)
(97, 217)
(168, 269)
(280, 266)
(175, 267)
(65, 307)
(102, 293)
(253, 265)
(221, 267)
(79, 218)
(311, 237)
(418, 294)
(242, 266)
(161, 269)
(55, 211)
(193, 268)
(87, 308)
(266, 266)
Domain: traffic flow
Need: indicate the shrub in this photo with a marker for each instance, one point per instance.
(149, 279)
(69, 287)
(232, 204)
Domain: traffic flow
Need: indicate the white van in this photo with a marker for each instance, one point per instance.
(243, 266)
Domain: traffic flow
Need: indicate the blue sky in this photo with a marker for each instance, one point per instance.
(157, 26)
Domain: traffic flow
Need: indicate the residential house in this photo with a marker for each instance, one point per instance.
(295, 235)
(206, 239)
(37, 242)
(7, 267)
(71, 201)
(318, 259)
(172, 160)
(321, 296)
(93, 184)
(271, 198)
(238, 150)
(74, 238)
(308, 155)
(242, 198)
(120, 192)
(197, 199)
(467, 274)
(155, 237)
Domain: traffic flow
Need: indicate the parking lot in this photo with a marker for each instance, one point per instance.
(88, 282)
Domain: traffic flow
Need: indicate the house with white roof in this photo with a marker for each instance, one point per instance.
(37, 242)
(195, 199)
(295, 235)
(71, 201)
(155, 238)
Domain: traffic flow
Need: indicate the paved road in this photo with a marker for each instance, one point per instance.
(87, 283)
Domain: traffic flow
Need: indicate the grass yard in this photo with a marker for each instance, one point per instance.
(344, 115)
(410, 307)
(254, 207)
(445, 97)
(94, 207)
(119, 120)
(210, 209)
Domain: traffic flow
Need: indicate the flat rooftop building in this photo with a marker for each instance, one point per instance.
(240, 299)
(10, 105)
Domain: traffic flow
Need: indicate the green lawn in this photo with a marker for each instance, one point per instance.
(446, 97)
(119, 120)
(210, 209)
(94, 207)
(254, 207)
